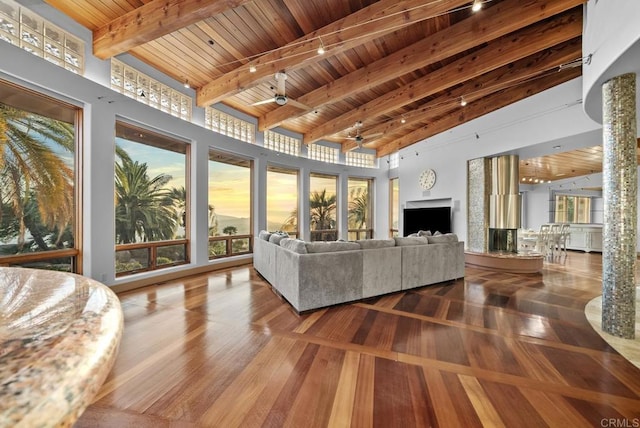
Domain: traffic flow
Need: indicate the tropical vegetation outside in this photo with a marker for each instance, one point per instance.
(37, 181)
(323, 207)
(360, 214)
(229, 205)
(394, 189)
(150, 200)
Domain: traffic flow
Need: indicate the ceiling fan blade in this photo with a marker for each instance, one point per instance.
(259, 103)
(280, 85)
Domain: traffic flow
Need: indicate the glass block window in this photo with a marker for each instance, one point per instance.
(323, 153)
(225, 124)
(21, 27)
(282, 143)
(394, 160)
(366, 160)
(129, 81)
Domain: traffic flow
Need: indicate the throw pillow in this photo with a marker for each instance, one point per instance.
(295, 245)
(275, 238)
(264, 235)
(443, 239)
(412, 235)
(437, 233)
(424, 233)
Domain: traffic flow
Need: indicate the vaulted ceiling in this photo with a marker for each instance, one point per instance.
(399, 69)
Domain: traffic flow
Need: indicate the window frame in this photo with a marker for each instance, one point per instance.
(228, 239)
(137, 134)
(35, 100)
(324, 234)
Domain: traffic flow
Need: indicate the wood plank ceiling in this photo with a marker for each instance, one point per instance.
(399, 68)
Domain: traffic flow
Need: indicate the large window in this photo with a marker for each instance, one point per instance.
(394, 206)
(573, 209)
(229, 205)
(360, 214)
(323, 207)
(152, 209)
(282, 200)
(38, 192)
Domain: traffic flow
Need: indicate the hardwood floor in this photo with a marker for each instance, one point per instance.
(494, 349)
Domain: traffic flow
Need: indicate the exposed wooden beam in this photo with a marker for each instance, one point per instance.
(530, 68)
(153, 20)
(459, 115)
(356, 29)
(500, 52)
(497, 21)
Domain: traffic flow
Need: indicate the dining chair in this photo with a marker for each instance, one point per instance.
(562, 239)
(542, 243)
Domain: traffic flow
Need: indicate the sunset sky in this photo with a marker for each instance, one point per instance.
(229, 185)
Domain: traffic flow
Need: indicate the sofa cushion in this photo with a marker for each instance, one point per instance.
(367, 244)
(276, 237)
(295, 245)
(404, 241)
(330, 247)
(424, 233)
(264, 235)
(443, 239)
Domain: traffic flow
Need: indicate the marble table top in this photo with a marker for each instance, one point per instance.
(59, 335)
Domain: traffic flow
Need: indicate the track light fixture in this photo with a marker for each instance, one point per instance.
(476, 6)
(252, 69)
(463, 102)
(186, 84)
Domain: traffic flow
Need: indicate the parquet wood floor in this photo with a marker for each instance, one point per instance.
(492, 349)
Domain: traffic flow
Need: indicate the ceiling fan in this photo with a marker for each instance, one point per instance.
(359, 138)
(280, 96)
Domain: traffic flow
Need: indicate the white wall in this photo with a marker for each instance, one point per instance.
(549, 116)
(611, 37)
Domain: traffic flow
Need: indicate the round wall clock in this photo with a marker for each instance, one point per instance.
(427, 179)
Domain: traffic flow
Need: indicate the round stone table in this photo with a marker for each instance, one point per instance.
(59, 335)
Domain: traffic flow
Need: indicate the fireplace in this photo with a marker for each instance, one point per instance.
(504, 204)
(505, 240)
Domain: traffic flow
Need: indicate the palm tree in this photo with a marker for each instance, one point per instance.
(145, 209)
(322, 210)
(33, 175)
(358, 208)
(213, 221)
(322, 213)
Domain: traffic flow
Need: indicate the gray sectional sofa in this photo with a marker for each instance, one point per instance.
(311, 275)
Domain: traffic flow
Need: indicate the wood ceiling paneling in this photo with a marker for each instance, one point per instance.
(385, 60)
(562, 166)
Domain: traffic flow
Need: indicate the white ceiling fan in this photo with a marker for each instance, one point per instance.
(280, 96)
(359, 138)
